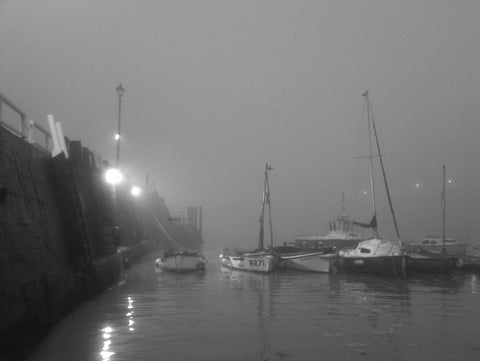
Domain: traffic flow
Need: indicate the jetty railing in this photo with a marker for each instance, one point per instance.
(15, 120)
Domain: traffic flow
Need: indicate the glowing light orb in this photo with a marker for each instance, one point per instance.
(113, 176)
(135, 191)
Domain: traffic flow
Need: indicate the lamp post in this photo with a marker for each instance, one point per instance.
(120, 91)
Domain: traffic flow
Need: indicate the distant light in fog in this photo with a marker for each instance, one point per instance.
(135, 191)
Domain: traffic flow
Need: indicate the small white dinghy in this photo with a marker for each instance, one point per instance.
(181, 261)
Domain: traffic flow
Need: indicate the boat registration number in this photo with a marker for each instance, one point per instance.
(256, 262)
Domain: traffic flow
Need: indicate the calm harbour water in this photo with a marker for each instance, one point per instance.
(224, 315)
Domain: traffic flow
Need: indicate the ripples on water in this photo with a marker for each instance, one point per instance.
(224, 315)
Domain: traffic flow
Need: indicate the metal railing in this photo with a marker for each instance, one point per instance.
(30, 131)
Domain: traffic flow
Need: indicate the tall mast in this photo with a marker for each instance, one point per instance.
(383, 168)
(262, 218)
(372, 182)
(265, 201)
(269, 167)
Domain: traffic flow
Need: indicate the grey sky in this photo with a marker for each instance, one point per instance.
(214, 89)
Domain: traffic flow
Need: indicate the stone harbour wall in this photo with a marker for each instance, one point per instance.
(37, 282)
(65, 236)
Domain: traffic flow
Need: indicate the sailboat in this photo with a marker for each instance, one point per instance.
(261, 259)
(432, 258)
(375, 255)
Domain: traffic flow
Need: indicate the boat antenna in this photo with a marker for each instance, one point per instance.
(382, 166)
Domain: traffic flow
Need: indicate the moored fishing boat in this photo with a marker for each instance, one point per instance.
(181, 261)
(261, 259)
(310, 259)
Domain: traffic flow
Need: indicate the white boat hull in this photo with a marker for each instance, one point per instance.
(311, 261)
(254, 261)
(181, 263)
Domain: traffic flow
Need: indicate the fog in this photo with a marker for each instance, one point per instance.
(215, 89)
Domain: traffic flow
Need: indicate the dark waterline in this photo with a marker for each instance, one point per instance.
(222, 315)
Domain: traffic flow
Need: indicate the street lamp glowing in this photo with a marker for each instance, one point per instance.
(117, 137)
(113, 176)
(135, 191)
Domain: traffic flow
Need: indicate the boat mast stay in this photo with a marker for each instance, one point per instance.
(370, 118)
(443, 213)
(372, 182)
(265, 202)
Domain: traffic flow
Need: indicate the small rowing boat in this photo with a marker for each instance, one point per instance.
(181, 261)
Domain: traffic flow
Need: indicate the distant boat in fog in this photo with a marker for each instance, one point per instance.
(435, 253)
(260, 259)
(341, 234)
(433, 244)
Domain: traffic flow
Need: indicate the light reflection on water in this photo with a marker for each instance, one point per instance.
(130, 314)
(223, 314)
(105, 353)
